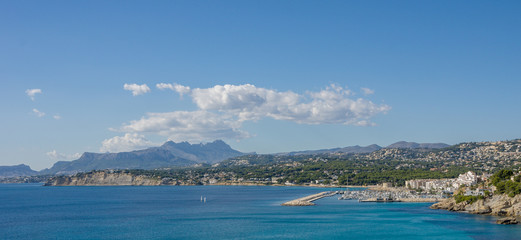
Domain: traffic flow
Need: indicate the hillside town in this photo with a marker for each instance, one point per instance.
(446, 185)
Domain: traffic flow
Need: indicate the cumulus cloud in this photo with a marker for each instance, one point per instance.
(187, 126)
(136, 89)
(367, 91)
(31, 93)
(38, 113)
(60, 156)
(57, 117)
(223, 109)
(128, 142)
(331, 105)
(174, 87)
(55, 155)
(163, 86)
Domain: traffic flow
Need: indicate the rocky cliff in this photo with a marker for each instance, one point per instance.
(98, 178)
(498, 205)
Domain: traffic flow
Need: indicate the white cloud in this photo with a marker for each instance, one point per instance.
(175, 87)
(329, 106)
(32, 92)
(163, 86)
(136, 89)
(55, 155)
(128, 142)
(187, 126)
(367, 91)
(60, 156)
(57, 117)
(38, 113)
(223, 109)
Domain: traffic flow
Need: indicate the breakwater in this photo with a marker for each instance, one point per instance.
(308, 200)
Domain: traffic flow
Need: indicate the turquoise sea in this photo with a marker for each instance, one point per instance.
(30, 211)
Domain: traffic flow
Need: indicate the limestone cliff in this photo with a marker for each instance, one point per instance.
(498, 205)
(107, 178)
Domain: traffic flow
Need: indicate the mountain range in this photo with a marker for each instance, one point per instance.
(413, 145)
(172, 154)
(350, 149)
(370, 148)
(16, 171)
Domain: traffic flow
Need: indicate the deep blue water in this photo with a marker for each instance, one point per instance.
(30, 211)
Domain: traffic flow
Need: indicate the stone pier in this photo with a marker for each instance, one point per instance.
(308, 200)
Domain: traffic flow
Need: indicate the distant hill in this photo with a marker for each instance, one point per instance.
(358, 149)
(170, 154)
(16, 171)
(413, 145)
(368, 149)
(350, 149)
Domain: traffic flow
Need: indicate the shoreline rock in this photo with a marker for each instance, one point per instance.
(507, 220)
(497, 205)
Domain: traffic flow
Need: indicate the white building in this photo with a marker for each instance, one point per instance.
(468, 179)
(447, 184)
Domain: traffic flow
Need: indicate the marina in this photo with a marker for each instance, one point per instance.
(369, 195)
(389, 195)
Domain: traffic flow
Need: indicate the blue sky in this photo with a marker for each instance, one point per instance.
(265, 76)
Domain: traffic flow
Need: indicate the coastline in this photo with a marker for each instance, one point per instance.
(103, 178)
(498, 205)
(284, 185)
(213, 184)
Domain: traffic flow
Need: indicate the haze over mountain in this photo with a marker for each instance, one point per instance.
(350, 149)
(404, 144)
(170, 154)
(16, 171)
(370, 148)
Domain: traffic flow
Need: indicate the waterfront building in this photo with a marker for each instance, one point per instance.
(443, 185)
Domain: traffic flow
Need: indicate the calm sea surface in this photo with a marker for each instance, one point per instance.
(30, 211)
